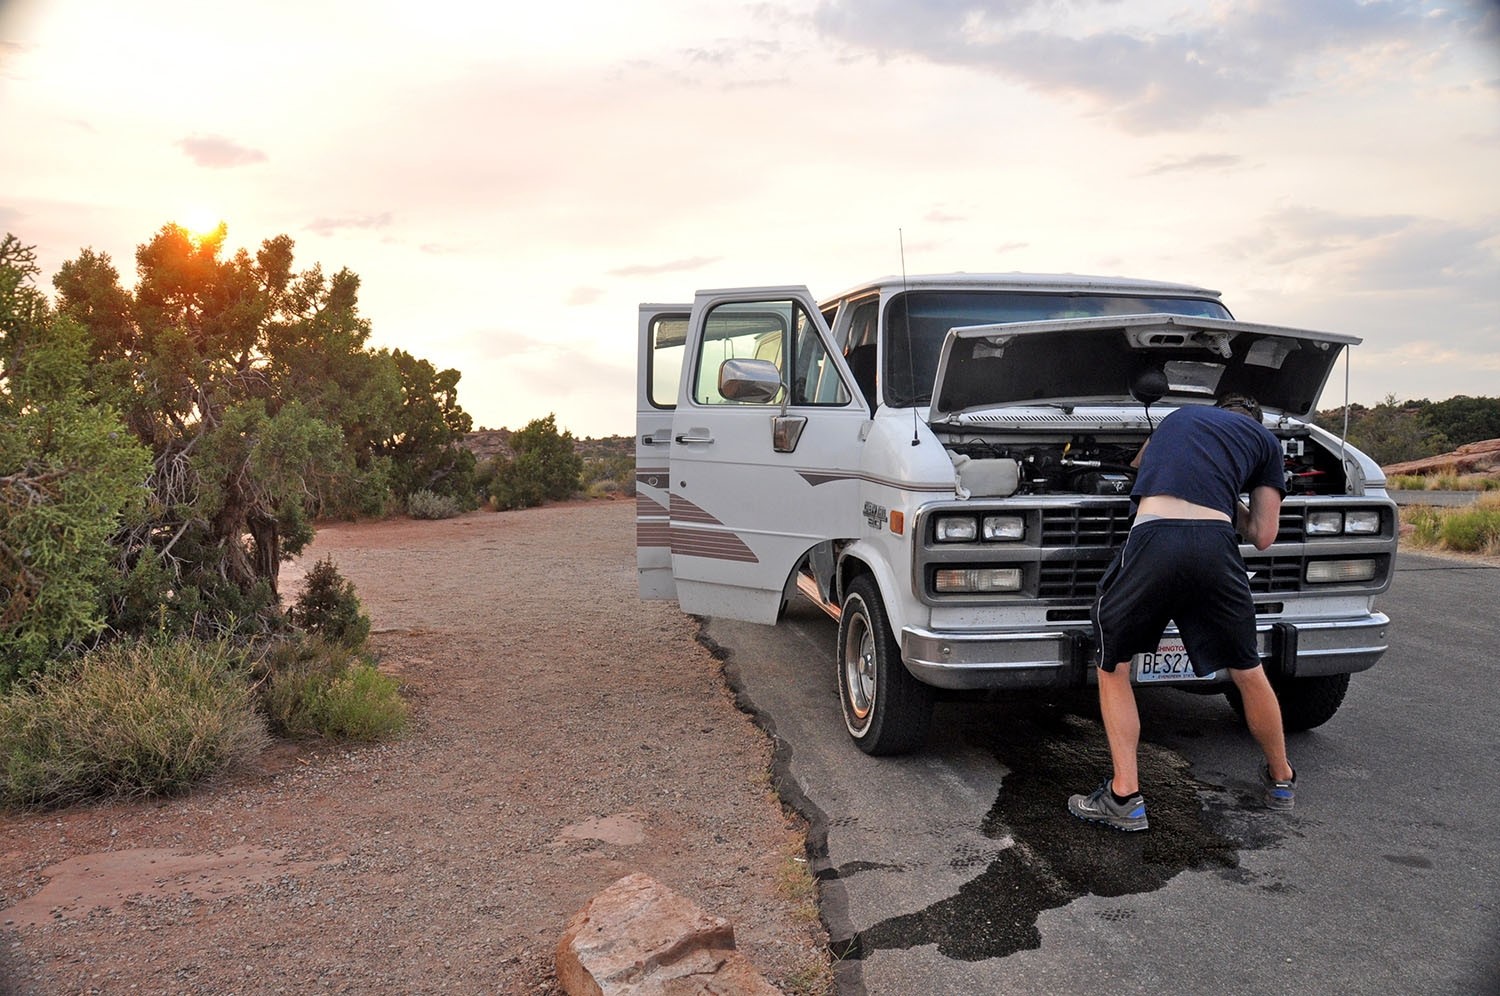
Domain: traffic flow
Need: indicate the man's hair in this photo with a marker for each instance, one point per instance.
(1241, 403)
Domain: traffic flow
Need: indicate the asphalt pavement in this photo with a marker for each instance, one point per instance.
(959, 870)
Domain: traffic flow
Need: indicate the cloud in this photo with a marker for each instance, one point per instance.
(1385, 253)
(1171, 74)
(1206, 162)
(499, 344)
(657, 269)
(1423, 292)
(327, 226)
(583, 296)
(1429, 353)
(429, 248)
(525, 376)
(217, 152)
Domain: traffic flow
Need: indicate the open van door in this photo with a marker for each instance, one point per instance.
(663, 341)
(765, 447)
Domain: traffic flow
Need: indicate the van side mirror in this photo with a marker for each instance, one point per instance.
(750, 380)
(759, 382)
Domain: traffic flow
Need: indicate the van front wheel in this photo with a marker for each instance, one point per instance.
(886, 710)
(1306, 703)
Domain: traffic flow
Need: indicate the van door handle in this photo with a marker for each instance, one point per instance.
(688, 438)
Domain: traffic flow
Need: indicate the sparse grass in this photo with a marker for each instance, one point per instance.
(603, 489)
(814, 978)
(795, 882)
(1446, 480)
(1474, 529)
(131, 719)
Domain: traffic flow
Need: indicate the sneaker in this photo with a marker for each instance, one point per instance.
(1280, 796)
(1099, 806)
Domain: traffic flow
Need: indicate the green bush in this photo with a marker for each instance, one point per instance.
(70, 477)
(135, 718)
(1426, 524)
(328, 607)
(312, 688)
(545, 467)
(611, 475)
(360, 704)
(1473, 530)
(426, 505)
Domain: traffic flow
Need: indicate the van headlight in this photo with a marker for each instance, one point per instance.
(1334, 522)
(956, 529)
(1325, 523)
(1004, 528)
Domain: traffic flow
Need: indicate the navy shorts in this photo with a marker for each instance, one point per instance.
(1188, 571)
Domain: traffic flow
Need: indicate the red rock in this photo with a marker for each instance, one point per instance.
(1469, 458)
(639, 938)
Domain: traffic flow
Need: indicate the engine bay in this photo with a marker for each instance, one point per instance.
(1083, 464)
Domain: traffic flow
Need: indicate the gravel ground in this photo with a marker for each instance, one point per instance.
(565, 734)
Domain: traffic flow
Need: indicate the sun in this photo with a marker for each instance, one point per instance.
(201, 222)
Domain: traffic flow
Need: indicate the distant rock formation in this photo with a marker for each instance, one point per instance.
(486, 444)
(1482, 457)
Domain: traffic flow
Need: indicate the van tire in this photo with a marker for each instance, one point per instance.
(886, 710)
(1306, 703)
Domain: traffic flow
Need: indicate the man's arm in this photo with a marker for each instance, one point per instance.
(1262, 520)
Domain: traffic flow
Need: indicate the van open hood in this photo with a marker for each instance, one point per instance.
(1078, 361)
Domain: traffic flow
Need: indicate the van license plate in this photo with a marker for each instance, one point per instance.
(1168, 662)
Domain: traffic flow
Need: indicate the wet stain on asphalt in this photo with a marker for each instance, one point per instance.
(1408, 860)
(1056, 858)
(851, 868)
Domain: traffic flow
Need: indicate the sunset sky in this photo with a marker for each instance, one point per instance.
(510, 180)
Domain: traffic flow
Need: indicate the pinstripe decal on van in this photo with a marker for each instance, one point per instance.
(712, 544)
(651, 528)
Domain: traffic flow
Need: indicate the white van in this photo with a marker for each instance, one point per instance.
(942, 463)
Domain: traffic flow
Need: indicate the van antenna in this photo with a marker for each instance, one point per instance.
(911, 363)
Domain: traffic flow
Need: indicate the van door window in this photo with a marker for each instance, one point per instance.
(668, 344)
(781, 332)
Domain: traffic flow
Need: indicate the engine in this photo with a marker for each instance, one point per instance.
(1087, 465)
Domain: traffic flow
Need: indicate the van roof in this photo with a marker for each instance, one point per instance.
(1055, 283)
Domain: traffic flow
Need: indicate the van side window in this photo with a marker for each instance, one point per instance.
(817, 381)
(668, 343)
(859, 348)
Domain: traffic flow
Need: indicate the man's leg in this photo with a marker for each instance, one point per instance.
(1122, 727)
(1263, 716)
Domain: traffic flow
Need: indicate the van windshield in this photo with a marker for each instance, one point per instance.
(916, 322)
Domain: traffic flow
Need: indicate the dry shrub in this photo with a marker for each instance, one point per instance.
(143, 718)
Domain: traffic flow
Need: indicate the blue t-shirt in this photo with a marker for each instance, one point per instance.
(1210, 456)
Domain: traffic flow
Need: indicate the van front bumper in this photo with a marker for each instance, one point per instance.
(1062, 658)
